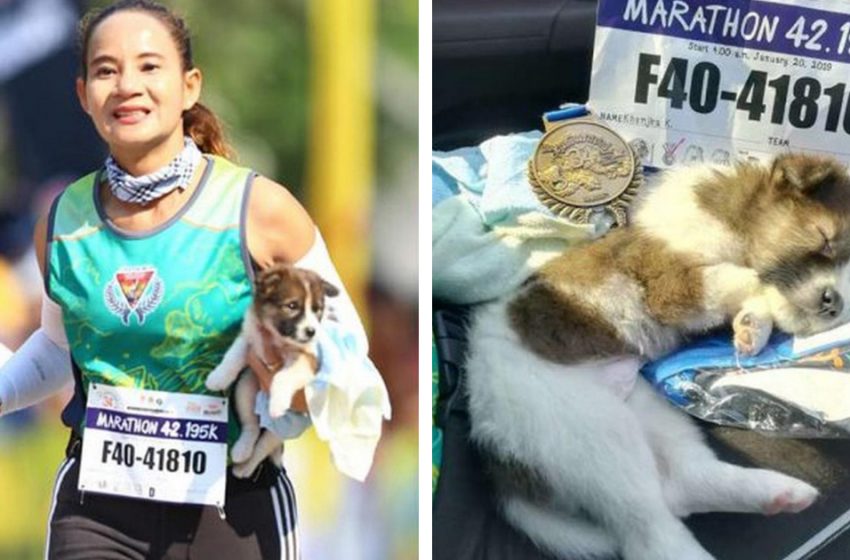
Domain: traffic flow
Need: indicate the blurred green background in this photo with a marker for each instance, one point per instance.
(262, 67)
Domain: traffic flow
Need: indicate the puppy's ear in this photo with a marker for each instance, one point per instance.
(263, 286)
(805, 173)
(330, 289)
(319, 283)
(267, 280)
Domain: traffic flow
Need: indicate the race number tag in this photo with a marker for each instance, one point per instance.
(708, 81)
(160, 446)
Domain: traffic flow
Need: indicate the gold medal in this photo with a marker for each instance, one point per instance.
(581, 167)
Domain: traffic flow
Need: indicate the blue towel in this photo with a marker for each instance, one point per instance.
(492, 176)
(489, 230)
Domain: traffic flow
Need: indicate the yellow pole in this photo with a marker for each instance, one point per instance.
(341, 147)
(339, 194)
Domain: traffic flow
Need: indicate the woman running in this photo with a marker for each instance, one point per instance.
(148, 266)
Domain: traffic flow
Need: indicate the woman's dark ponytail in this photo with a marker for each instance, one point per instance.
(205, 129)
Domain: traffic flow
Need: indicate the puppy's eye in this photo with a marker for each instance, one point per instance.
(293, 305)
(827, 250)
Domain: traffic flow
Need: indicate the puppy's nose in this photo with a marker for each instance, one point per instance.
(309, 331)
(831, 303)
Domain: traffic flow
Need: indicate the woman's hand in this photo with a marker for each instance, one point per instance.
(265, 371)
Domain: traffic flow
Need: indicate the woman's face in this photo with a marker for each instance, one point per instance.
(135, 89)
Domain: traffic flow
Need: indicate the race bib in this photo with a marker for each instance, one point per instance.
(167, 447)
(707, 81)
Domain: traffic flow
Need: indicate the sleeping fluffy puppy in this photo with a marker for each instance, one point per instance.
(288, 306)
(588, 461)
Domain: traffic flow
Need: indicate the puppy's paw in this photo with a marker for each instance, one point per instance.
(244, 446)
(280, 397)
(279, 404)
(240, 453)
(794, 498)
(750, 332)
(243, 470)
(218, 379)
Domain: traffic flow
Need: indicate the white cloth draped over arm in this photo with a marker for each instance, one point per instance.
(40, 367)
(347, 401)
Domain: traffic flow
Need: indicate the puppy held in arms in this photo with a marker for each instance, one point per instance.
(288, 306)
(587, 459)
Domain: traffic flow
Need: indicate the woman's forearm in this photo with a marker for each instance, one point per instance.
(35, 371)
(40, 367)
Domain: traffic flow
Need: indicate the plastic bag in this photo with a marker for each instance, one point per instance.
(792, 388)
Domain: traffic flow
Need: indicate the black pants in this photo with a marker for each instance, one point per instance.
(260, 522)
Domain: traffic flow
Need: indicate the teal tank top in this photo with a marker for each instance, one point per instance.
(155, 309)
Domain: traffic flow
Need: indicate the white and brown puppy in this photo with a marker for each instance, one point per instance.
(587, 459)
(288, 306)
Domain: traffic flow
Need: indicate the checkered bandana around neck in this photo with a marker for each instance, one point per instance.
(147, 188)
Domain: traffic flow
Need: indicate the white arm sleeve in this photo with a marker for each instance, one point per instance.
(340, 309)
(52, 323)
(40, 367)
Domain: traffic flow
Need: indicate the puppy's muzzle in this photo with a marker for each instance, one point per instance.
(831, 303)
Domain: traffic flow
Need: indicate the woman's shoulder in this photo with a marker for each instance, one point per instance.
(279, 228)
(276, 197)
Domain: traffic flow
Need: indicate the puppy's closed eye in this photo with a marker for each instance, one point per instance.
(826, 249)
